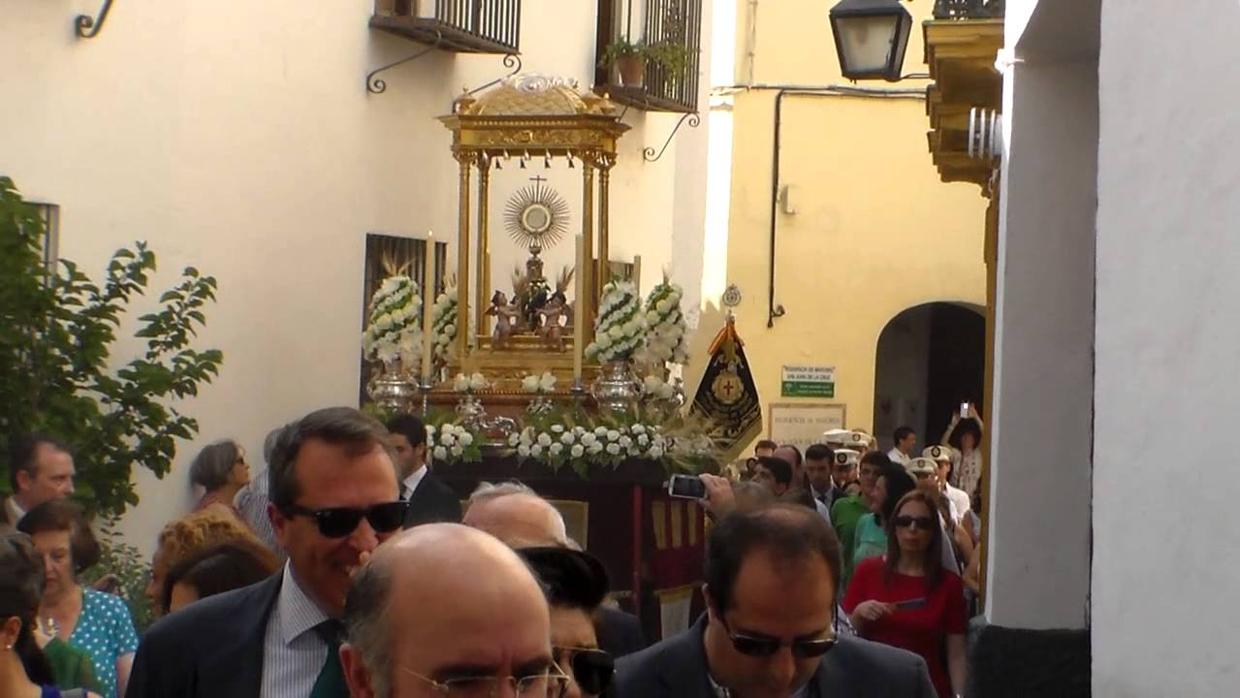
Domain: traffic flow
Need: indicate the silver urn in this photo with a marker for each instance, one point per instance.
(616, 389)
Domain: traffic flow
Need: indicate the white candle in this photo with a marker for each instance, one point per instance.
(579, 310)
(428, 303)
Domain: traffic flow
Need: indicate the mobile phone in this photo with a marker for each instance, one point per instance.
(686, 487)
(964, 410)
(910, 604)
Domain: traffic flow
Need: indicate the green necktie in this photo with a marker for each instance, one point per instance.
(330, 682)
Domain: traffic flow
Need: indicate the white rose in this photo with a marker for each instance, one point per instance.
(631, 327)
(625, 442)
(523, 451)
(602, 342)
(467, 439)
(637, 429)
(461, 383)
(447, 439)
(577, 451)
(652, 317)
(478, 381)
(613, 435)
(529, 384)
(544, 440)
(430, 429)
(643, 440)
(589, 439)
(595, 448)
(656, 453)
(616, 332)
(457, 451)
(441, 453)
(613, 449)
(514, 439)
(567, 438)
(450, 330)
(557, 428)
(600, 431)
(536, 451)
(555, 449)
(547, 382)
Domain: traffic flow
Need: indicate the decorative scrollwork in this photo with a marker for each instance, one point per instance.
(376, 85)
(87, 27)
(511, 60)
(648, 154)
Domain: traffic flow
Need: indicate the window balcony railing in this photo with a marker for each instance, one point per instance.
(969, 9)
(669, 36)
(466, 26)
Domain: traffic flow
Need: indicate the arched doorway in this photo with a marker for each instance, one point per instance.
(930, 358)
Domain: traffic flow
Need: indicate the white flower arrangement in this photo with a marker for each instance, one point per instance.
(667, 334)
(538, 385)
(453, 443)
(621, 327)
(656, 388)
(444, 325)
(471, 383)
(558, 445)
(393, 331)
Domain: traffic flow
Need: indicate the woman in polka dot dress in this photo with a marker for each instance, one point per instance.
(98, 623)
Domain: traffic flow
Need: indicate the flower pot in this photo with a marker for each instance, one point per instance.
(632, 70)
(616, 389)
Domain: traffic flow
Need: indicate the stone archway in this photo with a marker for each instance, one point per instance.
(929, 359)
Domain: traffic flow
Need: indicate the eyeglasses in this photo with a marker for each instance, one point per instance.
(338, 522)
(548, 684)
(922, 522)
(593, 669)
(756, 646)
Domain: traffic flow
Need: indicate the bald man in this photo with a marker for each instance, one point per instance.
(515, 514)
(443, 606)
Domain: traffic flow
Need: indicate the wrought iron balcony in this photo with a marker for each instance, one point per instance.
(969, 9)
(465, 26)
(671, 33)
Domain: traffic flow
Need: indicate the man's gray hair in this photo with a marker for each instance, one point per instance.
(346, 426)
(487, 491)
(366, 627)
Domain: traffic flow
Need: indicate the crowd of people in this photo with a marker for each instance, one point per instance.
(346, 567)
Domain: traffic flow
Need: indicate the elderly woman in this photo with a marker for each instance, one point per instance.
(90, 620)
(907, 599)
(576, 584)
(187, 536)
(220, 469)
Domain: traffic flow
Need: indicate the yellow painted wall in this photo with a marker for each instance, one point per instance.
(875, 232)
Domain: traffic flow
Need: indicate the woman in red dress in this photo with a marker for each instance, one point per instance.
(906, 599)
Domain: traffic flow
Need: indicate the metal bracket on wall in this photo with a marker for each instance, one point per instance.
(86, 27)
(512, 61)
(376, 86)
(648, 154)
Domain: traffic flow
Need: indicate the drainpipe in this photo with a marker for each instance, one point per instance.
(774, 311)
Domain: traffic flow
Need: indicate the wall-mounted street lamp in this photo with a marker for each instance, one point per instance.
(871, 37)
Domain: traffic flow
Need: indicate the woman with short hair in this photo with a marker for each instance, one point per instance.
(221, 470)
(215, 570)
(90, 620)
(576, 584)
(907, 599)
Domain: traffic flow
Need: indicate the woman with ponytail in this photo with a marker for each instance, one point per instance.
(24, 670)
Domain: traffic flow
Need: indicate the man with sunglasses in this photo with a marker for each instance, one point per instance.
(770, 628)
(333, 500)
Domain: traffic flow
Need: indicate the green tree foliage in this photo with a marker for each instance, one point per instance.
(57, 329)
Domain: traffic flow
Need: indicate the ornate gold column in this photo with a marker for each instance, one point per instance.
(462, 260)
(484, 245)
(604, 195)
(590, 282)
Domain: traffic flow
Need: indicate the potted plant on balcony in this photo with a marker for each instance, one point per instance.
(629, 59)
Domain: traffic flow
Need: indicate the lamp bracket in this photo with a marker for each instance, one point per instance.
(86, 27)
(512, 61)
(648, 154)
(376, 85)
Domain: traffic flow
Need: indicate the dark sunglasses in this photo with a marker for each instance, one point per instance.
(338, 522)
(752, 646)
(922, 522)
(592, 669)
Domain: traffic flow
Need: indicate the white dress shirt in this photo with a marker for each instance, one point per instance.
(293, 653)
(897, 456)
(958, 500)
(410, 483)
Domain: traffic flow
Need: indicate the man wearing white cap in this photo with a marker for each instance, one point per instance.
(959, 499)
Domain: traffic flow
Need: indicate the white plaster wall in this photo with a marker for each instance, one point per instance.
(1167, 547)
(1038, 554)
(238, 137)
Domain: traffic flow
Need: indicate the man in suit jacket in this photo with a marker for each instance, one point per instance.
(40, 470)
(771, 576)
(334, 499)
(430, 500)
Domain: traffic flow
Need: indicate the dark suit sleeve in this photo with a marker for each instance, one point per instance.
(157, 669)
(922, 685)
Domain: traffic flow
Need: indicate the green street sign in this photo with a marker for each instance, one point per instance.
(804, 389)
(808, 381)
